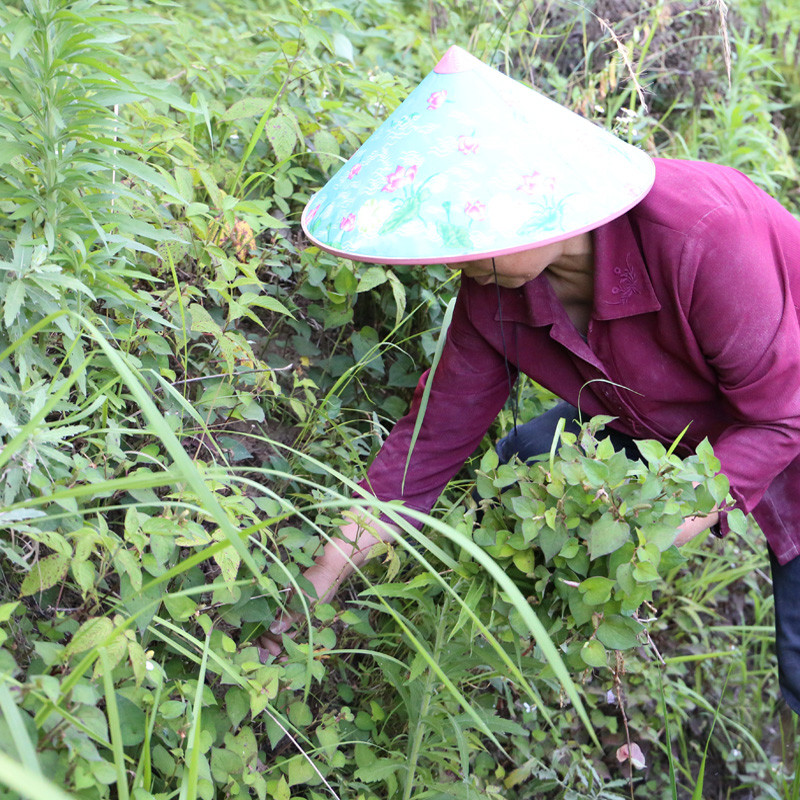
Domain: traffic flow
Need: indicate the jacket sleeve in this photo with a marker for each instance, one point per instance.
(469, 388)
(737, 279)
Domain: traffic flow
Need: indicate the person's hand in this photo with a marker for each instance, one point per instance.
(336, 563)
(692, 526)
(325, 577)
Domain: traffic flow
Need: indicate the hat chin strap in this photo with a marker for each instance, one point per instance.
(514, 395)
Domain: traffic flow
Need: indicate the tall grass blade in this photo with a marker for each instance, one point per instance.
(556, 442)
(519, 602)
(189, 782)
(115, 731)
(25, 748)
(437, 670)
(673, 784)
(144, 770)
(701, 775)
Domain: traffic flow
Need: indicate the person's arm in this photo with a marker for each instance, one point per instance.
(737, 283)
(339, 558)
(469, 388)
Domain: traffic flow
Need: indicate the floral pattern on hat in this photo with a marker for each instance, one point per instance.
(475, 210)
(436, 99)
(402, 176)
(468, 145)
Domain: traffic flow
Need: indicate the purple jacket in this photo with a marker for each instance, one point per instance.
(697, 299)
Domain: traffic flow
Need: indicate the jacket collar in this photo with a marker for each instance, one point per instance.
(622, 285)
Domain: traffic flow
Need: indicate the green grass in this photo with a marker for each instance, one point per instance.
(182, 420)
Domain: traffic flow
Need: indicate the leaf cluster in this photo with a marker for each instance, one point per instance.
(591, 533)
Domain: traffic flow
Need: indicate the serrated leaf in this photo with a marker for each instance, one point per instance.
(15, 296)
(246, 107)
(327, 149)
(10, 150)
(149, 175)
(281, 135)
(228, 561)
(23, 30)
(471, 601)
(203, 322)
(373, 277)
(44, 574)
(7, 420)
(378, 771)
(92, 633)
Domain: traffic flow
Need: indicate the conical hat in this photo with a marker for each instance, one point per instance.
(474, 164)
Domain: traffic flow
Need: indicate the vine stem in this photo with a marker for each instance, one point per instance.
(618, 670)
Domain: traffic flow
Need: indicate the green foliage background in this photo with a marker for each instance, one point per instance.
(188, 391)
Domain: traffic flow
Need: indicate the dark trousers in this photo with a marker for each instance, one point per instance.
(536, 437)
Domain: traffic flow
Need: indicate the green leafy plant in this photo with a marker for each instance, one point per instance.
(592, 532)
